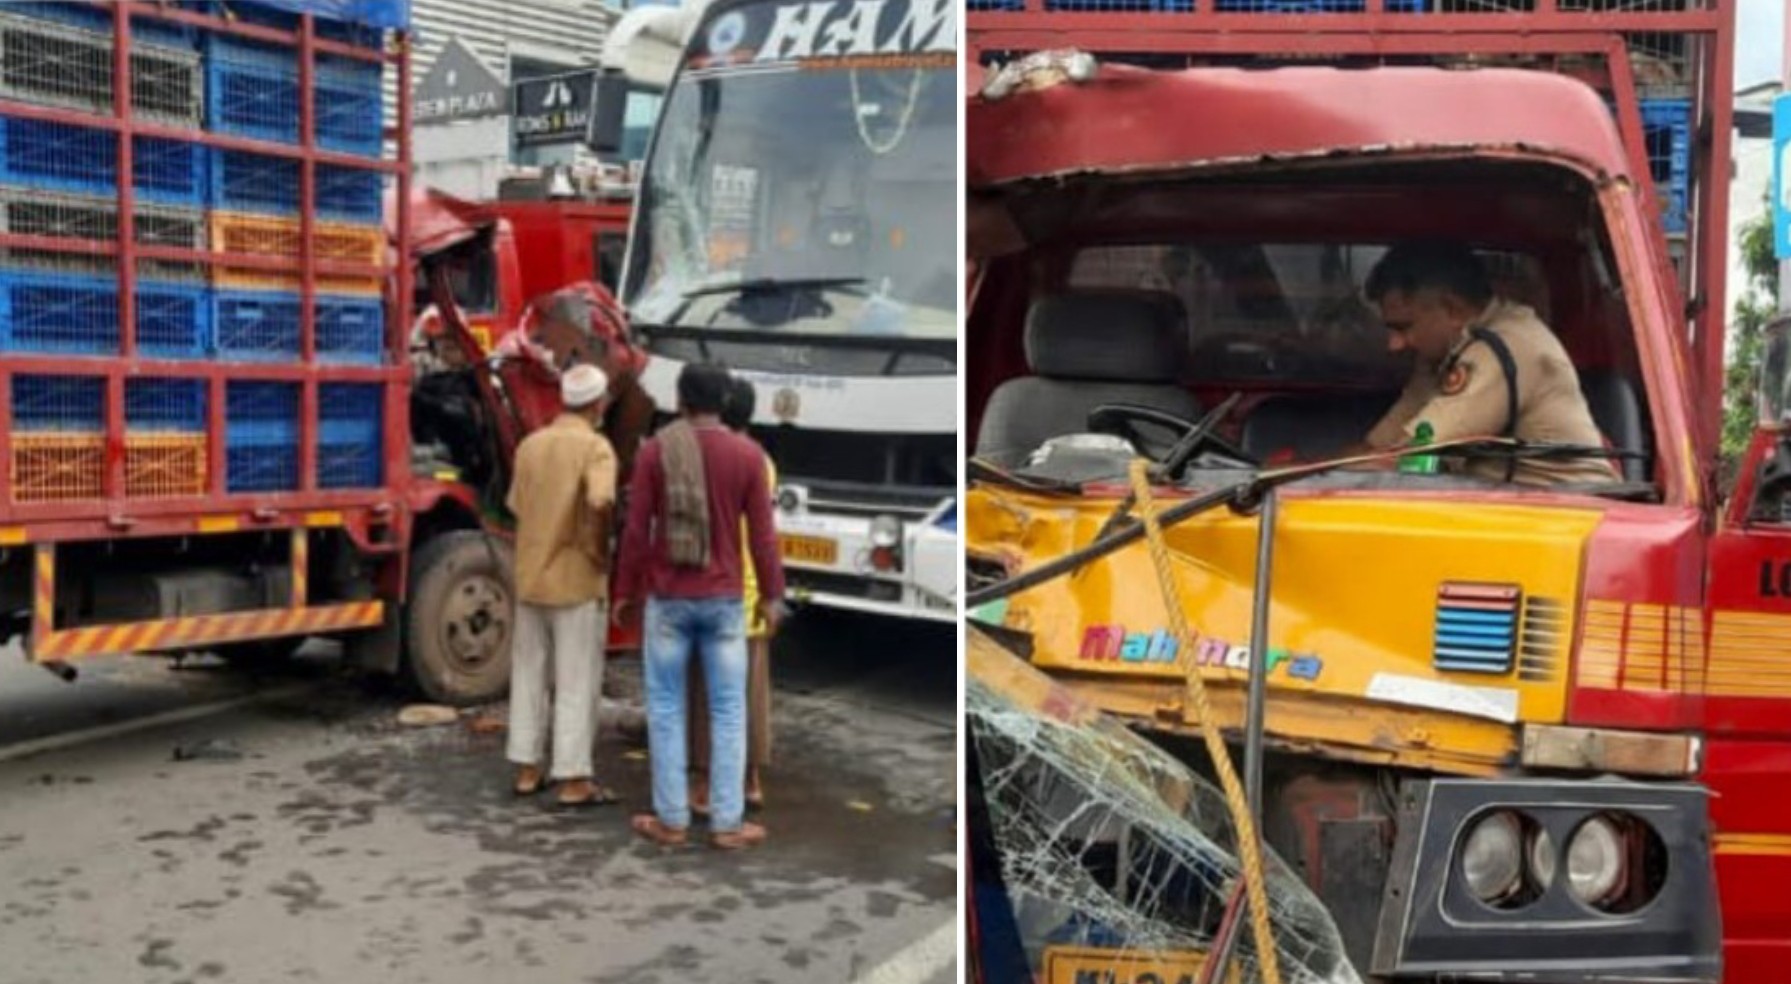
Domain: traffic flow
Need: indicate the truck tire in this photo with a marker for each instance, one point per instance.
(458, 624)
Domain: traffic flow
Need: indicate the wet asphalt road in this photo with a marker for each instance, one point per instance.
(314, 839)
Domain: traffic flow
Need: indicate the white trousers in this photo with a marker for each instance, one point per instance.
(574, 636)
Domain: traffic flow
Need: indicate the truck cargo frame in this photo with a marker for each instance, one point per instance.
(377, 520)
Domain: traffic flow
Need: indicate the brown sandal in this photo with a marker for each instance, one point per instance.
(578, 793)
(530, 779)
(749, 835)
(652, 828)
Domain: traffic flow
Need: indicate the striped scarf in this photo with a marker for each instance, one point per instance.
(686, 496)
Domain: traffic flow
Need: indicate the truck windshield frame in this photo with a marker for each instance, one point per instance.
(785, 156)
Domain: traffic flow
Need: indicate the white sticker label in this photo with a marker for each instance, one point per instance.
(1493, 703)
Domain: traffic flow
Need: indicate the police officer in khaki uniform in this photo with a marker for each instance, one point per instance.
(1487, 367)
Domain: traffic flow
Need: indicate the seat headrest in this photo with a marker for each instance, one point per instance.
(1114, 335)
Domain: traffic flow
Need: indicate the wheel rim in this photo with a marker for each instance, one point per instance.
(476, 622)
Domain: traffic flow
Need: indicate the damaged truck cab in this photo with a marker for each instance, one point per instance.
(1512, 732)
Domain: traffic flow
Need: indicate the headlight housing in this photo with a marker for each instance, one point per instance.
(1492, 857)
(1596, 861)
(886, 531)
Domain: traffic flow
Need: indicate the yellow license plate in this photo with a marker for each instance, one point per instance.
(809, 549)
(1080, 964)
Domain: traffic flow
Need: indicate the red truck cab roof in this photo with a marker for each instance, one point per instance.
(1121, 120)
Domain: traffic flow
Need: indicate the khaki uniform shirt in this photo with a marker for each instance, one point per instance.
(1465, 396)
(562, 493)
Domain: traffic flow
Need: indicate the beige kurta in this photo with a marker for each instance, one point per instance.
(564, 487)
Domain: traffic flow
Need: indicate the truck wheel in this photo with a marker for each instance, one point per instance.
(458, 623)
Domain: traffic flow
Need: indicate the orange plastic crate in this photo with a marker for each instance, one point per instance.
(162, 466)
(58, 467)
(235, 232)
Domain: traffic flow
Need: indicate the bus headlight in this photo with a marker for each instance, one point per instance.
(1492, 856)
(886, 531)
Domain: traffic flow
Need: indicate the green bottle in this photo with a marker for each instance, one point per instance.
(1421, 464)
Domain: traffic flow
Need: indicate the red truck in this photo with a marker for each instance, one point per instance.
(1173, 205)
(214, 434)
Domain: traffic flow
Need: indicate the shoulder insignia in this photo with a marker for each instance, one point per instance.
(1456, 378)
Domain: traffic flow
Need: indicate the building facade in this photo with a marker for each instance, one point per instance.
(517, 40)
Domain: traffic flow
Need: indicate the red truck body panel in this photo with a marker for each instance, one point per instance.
(1721, 589)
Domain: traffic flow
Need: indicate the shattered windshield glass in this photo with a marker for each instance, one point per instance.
(1117, 857)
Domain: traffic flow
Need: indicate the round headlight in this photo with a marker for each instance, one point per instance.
(1542, 859)
(886, 531)
(1595, 861)
(1492, 857)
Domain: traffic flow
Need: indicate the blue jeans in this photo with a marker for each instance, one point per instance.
(716, 629)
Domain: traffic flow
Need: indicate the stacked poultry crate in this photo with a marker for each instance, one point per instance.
(58, 182)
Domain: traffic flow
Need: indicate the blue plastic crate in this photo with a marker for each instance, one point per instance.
(68, 404)
(1314, 6)
(60, 313)
(252, 90)
(256, 326)
(350, 429)
(1667, 132)
(350, 194)
(168, 171)
(63, 157)
(264, 326)
(351, 329)
(245, 182)
(165, 405)
(92, 17)
(261, 468)
(77, 314)
(261, 425)
(349, 106)
(173, 320)
(1116, 6)
(329, 22)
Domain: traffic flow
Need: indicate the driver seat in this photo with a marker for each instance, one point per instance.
(1087, 348)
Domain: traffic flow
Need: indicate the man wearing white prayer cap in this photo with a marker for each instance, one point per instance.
(562, 496)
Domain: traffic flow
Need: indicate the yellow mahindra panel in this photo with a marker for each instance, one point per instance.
(1357, 586)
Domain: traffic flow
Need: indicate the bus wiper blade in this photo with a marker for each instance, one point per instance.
(758, 285)
(761, 285)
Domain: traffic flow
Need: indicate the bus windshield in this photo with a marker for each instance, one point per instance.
(801, 188)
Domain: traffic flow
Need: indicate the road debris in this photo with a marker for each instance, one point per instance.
(210, 749)
(486, 724)
(427, 716)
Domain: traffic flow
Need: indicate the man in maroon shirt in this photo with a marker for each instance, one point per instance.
(681, 550)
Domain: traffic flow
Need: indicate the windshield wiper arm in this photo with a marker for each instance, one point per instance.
(758, 285)
(1513, 448)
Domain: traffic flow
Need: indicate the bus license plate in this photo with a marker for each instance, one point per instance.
(809, 549)
(1074, 964)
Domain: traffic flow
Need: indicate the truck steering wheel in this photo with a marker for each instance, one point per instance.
(1187, 437)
